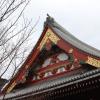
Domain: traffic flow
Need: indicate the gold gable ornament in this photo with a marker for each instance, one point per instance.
(93, 62)
(11, 87)
(51, 36)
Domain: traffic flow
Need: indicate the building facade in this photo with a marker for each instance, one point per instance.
(59, 67)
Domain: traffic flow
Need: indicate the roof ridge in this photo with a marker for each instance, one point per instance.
(67, 36)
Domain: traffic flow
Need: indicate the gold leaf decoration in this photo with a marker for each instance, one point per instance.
(93, 62)
(51, 36)
(11, 87)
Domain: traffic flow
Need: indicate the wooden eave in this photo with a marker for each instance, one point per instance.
(79, 81)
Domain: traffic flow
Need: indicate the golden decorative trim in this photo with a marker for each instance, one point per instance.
(51, 36)
(11, 87)
(93, 62)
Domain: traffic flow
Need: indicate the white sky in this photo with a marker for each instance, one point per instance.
(80, 17)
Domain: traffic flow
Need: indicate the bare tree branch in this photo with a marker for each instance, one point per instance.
(11, 30)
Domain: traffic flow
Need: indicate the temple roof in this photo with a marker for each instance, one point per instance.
(49, 85)
(68, 37)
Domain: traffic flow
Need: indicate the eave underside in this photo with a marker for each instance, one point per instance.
(88, 78)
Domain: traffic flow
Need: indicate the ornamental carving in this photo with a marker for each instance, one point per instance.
(49, 36)
(93, 62)
(11, 87)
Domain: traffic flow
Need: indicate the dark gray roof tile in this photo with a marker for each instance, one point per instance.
(64, 34)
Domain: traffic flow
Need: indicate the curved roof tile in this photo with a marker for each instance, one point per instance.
(64, 34)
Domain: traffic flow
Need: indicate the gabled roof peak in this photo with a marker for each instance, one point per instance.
(67, 36)
(49, 20)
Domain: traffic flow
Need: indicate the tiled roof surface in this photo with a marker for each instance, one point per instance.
(54, 84)
(64, 34)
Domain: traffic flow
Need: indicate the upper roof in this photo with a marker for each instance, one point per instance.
(64, 34)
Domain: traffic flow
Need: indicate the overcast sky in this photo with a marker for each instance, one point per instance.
(80, 17)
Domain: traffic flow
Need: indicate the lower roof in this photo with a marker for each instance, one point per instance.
(50, 85)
